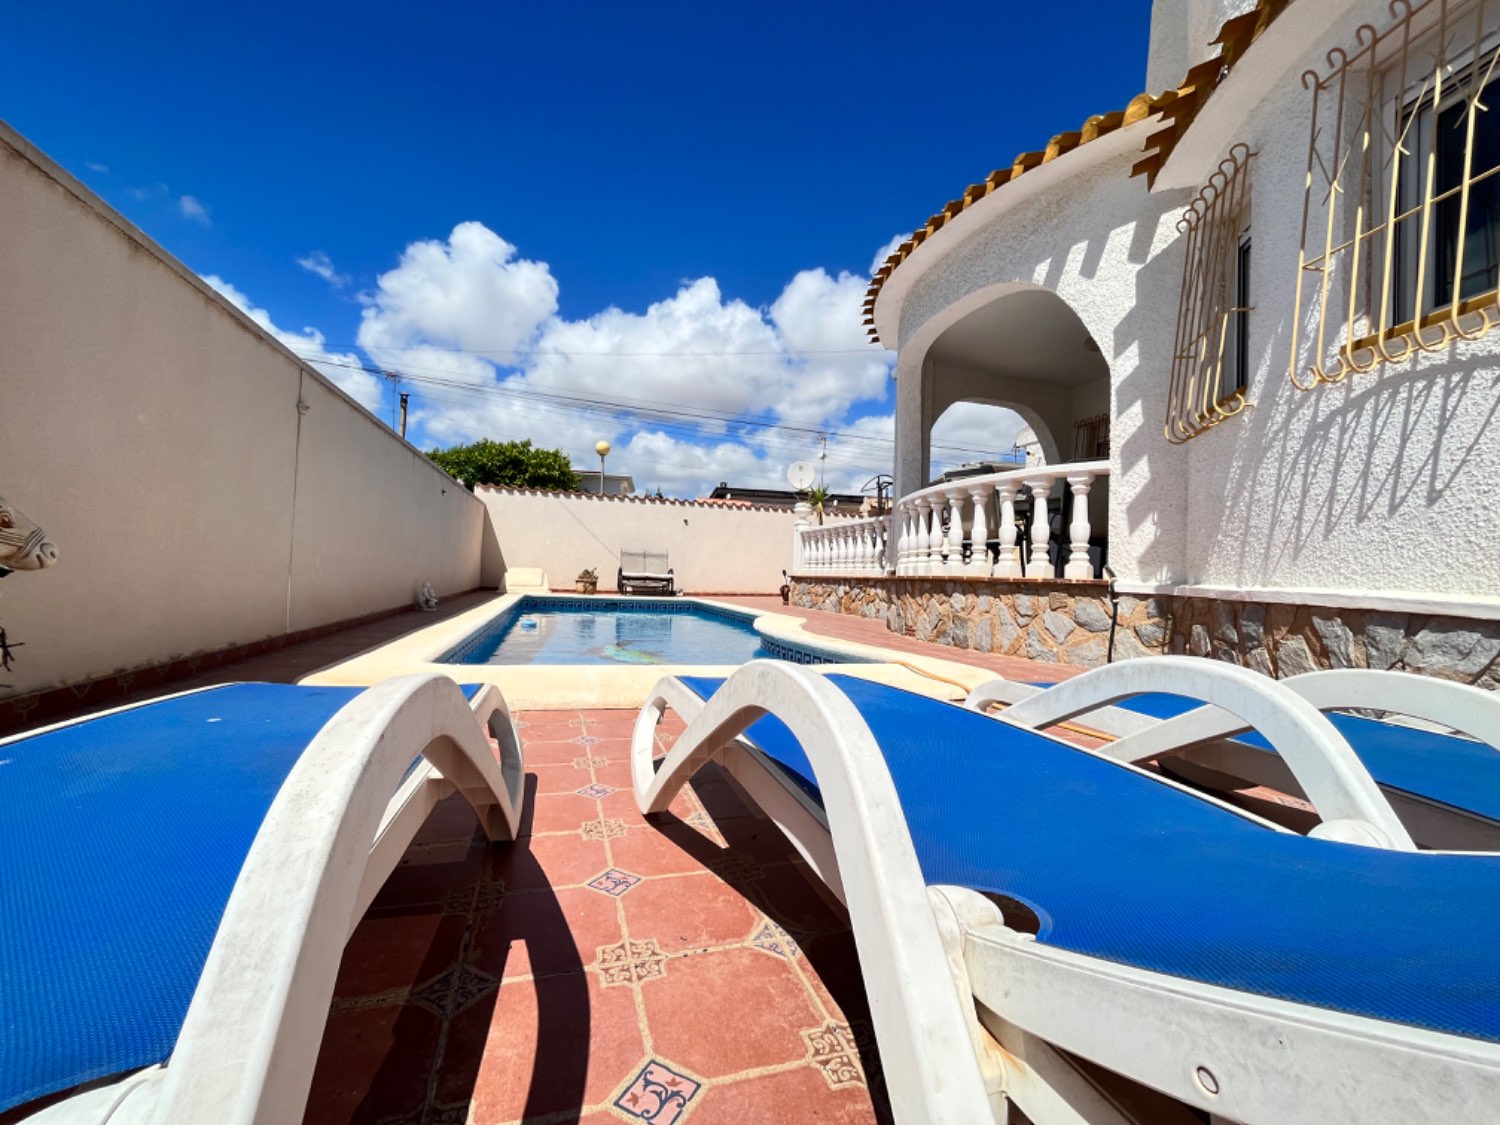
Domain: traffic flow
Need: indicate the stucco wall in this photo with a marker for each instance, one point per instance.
(1382, 484)
(712, 548)
(153, 431)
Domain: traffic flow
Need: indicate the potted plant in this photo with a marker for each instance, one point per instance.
(587, 582)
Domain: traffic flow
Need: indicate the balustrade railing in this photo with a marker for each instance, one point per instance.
(970, 546)
(850, 547)
(947, 530)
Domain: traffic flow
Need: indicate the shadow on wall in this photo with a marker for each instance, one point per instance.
(1143, 393)
(492, 564)
(1384, 448)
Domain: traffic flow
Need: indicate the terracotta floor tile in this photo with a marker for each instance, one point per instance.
(549, 1045)
(672, 849)
(562, 812)
(832, 964)
(398, 950)
(426, 875)
(563, 778)
(552, 753)
(792, 1095)
(686, 1012)
(374, 1063)
(452, 819)
(688, 912)
(755, 838)
(616, 772)
(546, 861)
(541, 932)
(788, 894)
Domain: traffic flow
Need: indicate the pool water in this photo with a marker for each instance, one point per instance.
(530, 634)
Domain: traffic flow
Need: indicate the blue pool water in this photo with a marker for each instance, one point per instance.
(615, 631)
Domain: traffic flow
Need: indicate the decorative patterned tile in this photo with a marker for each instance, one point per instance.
(589, 763)
(773, 939)
(364, 1003)
(831, 1049)
(734, 867)
(453, 991)
(614, 882)
(585, 740)
(488, 897)
(595, 790)
(630, 962)
(606, 828)
(658, 1094)
(449, 1115)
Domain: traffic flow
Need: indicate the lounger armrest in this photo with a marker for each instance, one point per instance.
(1330, 773)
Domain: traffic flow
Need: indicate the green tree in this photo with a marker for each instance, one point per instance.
(515, 463)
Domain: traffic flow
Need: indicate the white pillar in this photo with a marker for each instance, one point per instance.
(803, 513)
(922, 562)
(979, 538)
(1008, 565)
(1038, 566)
(935, 507)
(904, 550)
(1078, 565)
(955, 554)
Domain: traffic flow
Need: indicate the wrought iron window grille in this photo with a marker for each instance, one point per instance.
(1210, 359)
(1400, 240)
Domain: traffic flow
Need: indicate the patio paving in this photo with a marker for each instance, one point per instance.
(602, 968)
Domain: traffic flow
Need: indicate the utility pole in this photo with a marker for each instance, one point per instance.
(395, 382)
(404, 396)
(823, 461)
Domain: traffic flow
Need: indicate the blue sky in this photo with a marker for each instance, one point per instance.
(553, 213)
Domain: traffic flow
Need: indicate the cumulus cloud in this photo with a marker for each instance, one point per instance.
(321, 264)
(886, 251)
(340, 367)
(469, 294)
(192, 209)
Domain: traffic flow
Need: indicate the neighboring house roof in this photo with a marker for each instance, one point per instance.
(1178, 106)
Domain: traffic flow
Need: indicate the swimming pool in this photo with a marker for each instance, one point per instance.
(615, 631)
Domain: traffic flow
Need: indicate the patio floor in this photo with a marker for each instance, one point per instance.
(602, 968)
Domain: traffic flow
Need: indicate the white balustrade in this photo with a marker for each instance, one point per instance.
(848, 547)
(924, 548)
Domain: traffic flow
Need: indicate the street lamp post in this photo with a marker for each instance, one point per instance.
(602, 448)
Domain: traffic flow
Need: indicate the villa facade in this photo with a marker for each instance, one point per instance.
(1285, 456)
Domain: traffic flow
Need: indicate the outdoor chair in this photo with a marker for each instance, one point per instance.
(645, 571)
(1031, 916)
(1445, 787)
(178, 880)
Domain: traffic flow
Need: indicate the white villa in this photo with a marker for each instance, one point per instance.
(1287, 457)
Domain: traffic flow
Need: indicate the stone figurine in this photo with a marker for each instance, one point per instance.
(426, 599)
(23, 545)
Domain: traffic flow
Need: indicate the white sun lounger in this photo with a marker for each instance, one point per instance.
(645, 570)
(1445, 788)
(189, 870)
(1030, 915)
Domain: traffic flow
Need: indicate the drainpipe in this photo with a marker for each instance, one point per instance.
(1114, 614)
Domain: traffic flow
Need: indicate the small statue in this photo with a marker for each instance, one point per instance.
(23, 545)
(426, 599)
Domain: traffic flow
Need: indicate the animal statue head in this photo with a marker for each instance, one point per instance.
(23, 545)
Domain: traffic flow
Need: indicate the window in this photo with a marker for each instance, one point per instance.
(1401, 217)
(1211, 359)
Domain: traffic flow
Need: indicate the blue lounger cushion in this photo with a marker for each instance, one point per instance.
(1124, 867)
(1457, 772)
(121, 838)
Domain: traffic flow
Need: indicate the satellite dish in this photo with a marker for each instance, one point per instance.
(801, 475)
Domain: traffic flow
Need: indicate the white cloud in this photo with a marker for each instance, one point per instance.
(321, 264)
(95, 166)
(194, 210)
(340, 367)
(886, 251)
(469, 293)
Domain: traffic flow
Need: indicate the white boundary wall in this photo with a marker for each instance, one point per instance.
(153, 430)
(712, 548)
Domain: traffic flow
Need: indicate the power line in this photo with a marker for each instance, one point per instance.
(650, 409)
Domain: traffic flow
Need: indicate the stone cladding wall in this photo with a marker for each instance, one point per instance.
(1068, 623)
(1055, 622)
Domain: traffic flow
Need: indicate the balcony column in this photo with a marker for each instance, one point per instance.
(955, 551)
(840, 550)
(935, 506)
(1078, 565)
(1038, 566)
(861, 549)
(906, 565)
(1008, 565)
(923, 558)
(979, 537)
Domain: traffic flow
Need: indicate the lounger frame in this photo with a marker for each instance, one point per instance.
(333, 833)
(940, 964)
